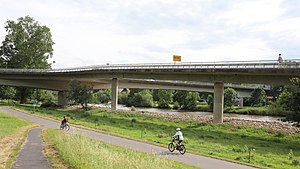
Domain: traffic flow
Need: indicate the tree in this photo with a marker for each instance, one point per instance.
(27, 45)
(290, 100)
(102, 96)
(192, 100)
(180, 97)
(140, 98)
(80, 93)
(164, 98)
(210, 101)
(45, 96)
(258, 97)
(7, 92)
(230, 96)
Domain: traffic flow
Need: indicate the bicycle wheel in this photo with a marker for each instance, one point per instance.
(171, 147)
(67, 127)
(181, 149)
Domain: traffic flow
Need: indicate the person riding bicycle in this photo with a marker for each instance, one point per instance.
(178, 136)
(64, 121)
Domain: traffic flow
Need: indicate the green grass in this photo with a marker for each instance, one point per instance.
(9, 124)
(217, 140)
(84, 153)
(250, 110)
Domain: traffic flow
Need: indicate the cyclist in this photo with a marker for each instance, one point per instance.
(178, 136)
(64, 121)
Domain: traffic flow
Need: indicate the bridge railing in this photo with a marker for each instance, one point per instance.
(294, 63)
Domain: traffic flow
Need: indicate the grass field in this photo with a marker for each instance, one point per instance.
(267, 149)
(84, 153)
(13, 131)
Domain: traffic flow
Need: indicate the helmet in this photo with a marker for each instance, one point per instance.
(178, 129)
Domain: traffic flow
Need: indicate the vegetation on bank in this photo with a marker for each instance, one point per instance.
(13, 132)
(81, 152)
(267, 149)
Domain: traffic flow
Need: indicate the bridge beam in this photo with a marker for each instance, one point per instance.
(62, 98)
(114, 92)
(218, 102)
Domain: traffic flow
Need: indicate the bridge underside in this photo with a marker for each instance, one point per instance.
(172, 77)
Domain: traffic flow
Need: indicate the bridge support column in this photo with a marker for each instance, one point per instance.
(114, 92)
(62, 98)
(218, 102)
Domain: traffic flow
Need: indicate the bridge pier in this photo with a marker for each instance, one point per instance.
(62, 98)
(218, 102)
(114, 92)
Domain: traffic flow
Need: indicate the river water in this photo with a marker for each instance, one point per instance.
(232, 116)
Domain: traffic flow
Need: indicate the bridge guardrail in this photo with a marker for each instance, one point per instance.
(294, 63)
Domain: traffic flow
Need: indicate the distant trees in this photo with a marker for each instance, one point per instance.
(258, 97)
(289, 100)
(80, 93)
(102, 96)
(165, 98)
(7, 92)
(230, 96)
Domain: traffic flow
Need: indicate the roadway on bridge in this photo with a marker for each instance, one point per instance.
(188, 158)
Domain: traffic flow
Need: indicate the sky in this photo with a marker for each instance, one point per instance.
(96, 32)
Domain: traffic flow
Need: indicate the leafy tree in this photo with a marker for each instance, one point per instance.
(7, 92)
(45, 96)
(192, 100)
(123, 97)
(258, 97)
(210, 101)
(26, 45)
(102, 96)
(292, 100)
(155, 94)
(80, 93)
(140, 98)
(164, 98)
(230, 96)
(180, 97)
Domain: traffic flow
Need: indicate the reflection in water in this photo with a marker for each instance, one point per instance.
(233, 116)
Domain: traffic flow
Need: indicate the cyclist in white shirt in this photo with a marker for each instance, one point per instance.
(178, 136)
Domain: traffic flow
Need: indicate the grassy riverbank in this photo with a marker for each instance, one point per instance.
(79, 152)
(267, 149)
(13, 132)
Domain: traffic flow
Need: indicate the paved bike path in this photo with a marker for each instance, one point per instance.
(31, 155)
(188, 158)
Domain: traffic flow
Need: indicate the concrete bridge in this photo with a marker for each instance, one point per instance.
(180, 76)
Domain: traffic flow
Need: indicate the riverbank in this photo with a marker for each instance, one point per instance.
(271, 124)
(272, 127)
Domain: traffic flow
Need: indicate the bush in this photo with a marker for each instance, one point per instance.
(49, 104)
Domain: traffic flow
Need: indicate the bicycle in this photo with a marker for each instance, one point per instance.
(65, 126)
(174, 145)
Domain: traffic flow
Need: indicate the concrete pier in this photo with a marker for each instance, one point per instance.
(114, 92)
(218, 102)
(62, 98)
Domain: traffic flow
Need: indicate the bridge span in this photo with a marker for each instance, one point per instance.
(160, 75)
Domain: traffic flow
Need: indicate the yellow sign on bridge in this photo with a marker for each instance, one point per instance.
(176, 58)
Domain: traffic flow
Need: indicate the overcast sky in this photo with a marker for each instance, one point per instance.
(95, 32)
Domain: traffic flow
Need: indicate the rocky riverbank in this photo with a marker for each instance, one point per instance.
(272, 127)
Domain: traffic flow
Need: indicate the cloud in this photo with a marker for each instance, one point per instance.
(98, 32)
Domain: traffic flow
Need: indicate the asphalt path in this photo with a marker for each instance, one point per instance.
(31, 155)
(188, 158)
